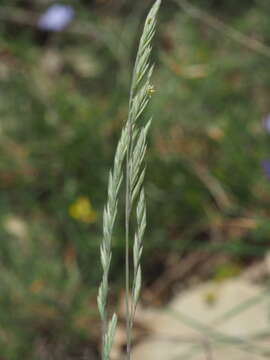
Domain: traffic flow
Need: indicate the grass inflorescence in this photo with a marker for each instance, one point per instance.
(131, 149)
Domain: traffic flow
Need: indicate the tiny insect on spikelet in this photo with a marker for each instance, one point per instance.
(130, 153)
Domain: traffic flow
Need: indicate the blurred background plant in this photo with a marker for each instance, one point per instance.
(64, 79)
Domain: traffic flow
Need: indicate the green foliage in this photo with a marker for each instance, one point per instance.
(62, 104)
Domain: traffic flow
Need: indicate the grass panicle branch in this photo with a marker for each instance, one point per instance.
(109, 216)
(132, 146)
(140, 94)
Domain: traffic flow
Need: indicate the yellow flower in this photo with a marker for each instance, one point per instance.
(82, 210)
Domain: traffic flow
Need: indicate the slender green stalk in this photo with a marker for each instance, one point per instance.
(127, 220)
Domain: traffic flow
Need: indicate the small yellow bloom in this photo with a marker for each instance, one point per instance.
(82, 210)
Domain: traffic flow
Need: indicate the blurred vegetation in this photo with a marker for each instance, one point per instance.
(63, 99)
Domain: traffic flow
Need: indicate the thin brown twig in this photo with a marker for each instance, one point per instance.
(208, 349)
(236, 35)
(223, 200)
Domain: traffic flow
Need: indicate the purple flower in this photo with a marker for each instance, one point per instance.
(266, 123)
(56, 18)
(266, 168)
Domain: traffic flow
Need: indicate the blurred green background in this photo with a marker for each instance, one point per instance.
(63, 100)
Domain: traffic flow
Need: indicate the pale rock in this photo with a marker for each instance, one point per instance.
(193, 327)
